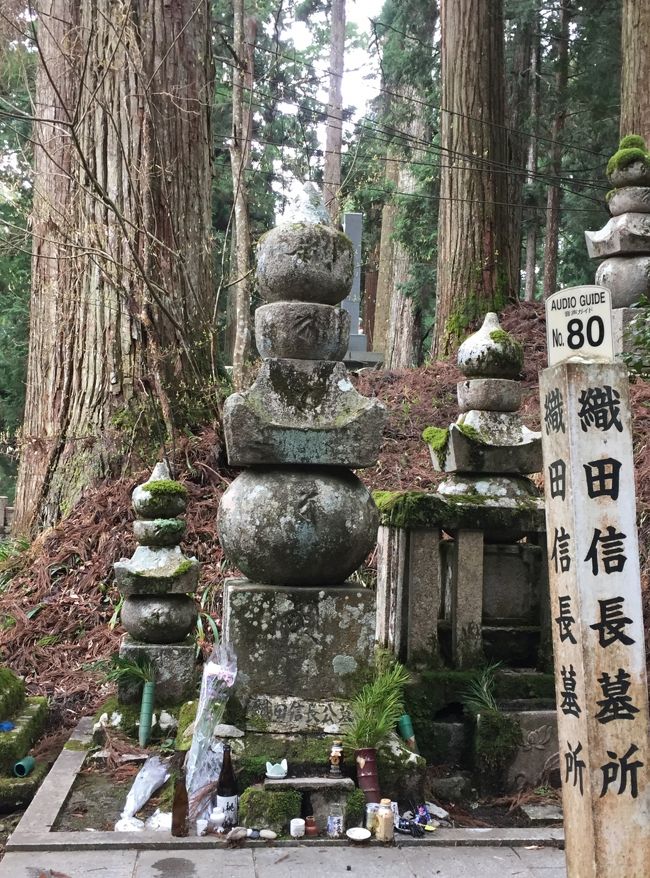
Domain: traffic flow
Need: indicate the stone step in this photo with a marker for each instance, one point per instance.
(29, 725)
(321, 796)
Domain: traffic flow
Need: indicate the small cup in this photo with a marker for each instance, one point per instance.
(201, 826)
(297, 827)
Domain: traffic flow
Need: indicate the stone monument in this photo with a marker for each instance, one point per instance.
(158, 612)
(624, 242)
(299, 522)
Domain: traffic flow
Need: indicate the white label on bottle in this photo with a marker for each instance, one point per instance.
(229, 806)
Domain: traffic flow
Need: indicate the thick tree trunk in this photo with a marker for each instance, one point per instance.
(242, 84)
(334, 126)
(554, 195)
(121, 292)
(474, 264)
(635, 72)
(531, 164)
(386, 256)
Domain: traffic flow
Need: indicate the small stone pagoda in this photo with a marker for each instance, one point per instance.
(298, 522)
(624, 242)
(158, 612)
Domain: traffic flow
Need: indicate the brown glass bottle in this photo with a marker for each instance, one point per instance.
(180, 807)
(227, 798)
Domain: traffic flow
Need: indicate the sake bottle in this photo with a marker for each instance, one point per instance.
(180, 806)
(227, 798)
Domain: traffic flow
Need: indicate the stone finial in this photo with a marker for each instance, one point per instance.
(307, 206)
(491, 352)
(160, 496)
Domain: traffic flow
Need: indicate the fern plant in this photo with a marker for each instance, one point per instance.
(478, 697)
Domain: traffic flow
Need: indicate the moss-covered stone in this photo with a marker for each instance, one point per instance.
(29, 725)
(437, 438)
(269, 810)
(12, 693)
(186, 716)
(165, 488)
(625, 157)
(632, 141)
(17, 792)
(77, 745)
(355, 808)
(496, 741)
(306, 754)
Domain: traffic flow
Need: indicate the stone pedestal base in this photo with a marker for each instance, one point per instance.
(174, 663)
(326, 795)
(315, 645)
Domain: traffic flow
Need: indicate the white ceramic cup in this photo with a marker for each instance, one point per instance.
(297, 827)
(201, 826)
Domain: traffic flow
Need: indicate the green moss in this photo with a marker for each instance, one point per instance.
(257, 722)
(306, 754)
(625, 157)
(632, 141)
(437, 438)
(609, 195)
(186, 717)
(470, 432)
(355, 808)
(496, 741)
(16, 792)
(269, 810)
(77, 746)
(12, 693)
(165, 488)
(166, 794)
(235, 713)
(184, 567)
(29, 725)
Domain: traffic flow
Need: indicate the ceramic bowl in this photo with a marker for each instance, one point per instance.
(358, 833)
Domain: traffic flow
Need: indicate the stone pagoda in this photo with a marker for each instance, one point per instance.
(624, 242)
(298, 522)
(157, 581)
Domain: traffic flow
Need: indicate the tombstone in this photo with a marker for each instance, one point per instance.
(300, 522)
(158, 613)
(623, 244)
(598, 635)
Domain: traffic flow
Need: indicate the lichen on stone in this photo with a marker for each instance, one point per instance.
(437, 438)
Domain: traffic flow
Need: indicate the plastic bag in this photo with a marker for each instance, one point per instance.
(159, 820)
(151, 776)
(206, 755)
(129, 824)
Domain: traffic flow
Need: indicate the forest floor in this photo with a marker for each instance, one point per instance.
(58, 603)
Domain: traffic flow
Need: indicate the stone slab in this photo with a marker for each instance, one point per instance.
(543, 815)
(157, 570)
(309, 784)
(517, 452)
(286, 713)
(625, 234)
(302, 411)
(316, 643)
(175, 665)
(326, 795)
(50, 864)
(511, 582)
(538, 749)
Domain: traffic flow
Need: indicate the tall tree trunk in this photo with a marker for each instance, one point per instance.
(242, 84)
(473, 248)
(518, 97)
(334, 126)
(386, 257)
(531, 162)
(554, 195)
(635, 72)
(121, 290)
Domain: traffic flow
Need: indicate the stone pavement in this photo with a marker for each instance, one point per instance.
(295, 862)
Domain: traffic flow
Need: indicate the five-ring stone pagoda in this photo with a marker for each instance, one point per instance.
(298, 522)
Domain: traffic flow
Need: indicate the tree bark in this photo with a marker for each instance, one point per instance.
(635, 72)
(554, 194)
(386, 256)
(242, 84)
(121, 290)
(334, 125)
(474, 264)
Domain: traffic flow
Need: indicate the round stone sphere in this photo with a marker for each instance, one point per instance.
(305, 262)
(299, 526)
(629, 199)
(489, 394)
(302, 331)
(166, 619)
(628, 278)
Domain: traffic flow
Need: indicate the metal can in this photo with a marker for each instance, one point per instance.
(371, 816)
(335, 826)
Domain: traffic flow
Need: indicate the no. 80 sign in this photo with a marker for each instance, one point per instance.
(579, 325)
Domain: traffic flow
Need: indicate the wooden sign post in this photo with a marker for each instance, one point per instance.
(598, 636)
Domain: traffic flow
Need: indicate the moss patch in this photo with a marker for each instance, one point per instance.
(12, 693)
(355, 808)
(496, 742)
(77, 746)
(16, 792)
(625, 157)
(186, 717)
(29, 725)
(269, 810)
(437, 438)
(165, 488)
(306, 754)
(632, 141)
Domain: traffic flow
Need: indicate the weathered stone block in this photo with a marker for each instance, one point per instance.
(12, 693)
(297, 526)
(537, 751)
(16, 792)
(167, 619)
(152, 571)
(159, 532)
(621, 319)
(301, 411)
(288, 714)
(635, 174)
(305, 262)
(326, 795)
(302, 331)
(511, 582)
(630, 199)
(29, 724)
(628, 233)
(627, 277)
(175, 670)
(316, 643)
(512, 448)
(490, 394)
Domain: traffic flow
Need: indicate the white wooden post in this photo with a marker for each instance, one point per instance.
(598, 636)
